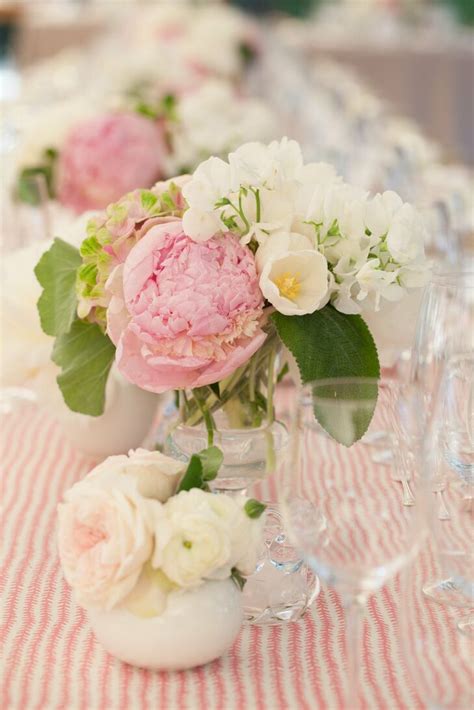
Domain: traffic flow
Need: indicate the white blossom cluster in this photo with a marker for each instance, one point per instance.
(316, 239)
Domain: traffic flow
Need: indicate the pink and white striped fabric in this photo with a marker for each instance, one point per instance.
(52, 660)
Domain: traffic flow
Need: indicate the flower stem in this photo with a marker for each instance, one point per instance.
(270, 386)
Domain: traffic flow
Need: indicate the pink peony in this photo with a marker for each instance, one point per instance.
(184, 314)
(108, 156)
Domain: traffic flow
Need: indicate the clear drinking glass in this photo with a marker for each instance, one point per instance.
(445, 327)
(337, 502)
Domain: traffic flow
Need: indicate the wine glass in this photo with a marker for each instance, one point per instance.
(451, 457)
(337, 502)
(445, 326)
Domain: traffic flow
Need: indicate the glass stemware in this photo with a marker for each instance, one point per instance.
(337, 502)
(445, 327)
(451, 458)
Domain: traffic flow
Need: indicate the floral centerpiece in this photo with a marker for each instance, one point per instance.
(196, 284)
(143, 543)
(98, 156)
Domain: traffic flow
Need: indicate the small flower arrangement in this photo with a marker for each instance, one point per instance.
(100, 156)
(195, 284)
(142, 526)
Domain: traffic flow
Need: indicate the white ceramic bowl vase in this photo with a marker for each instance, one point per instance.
(196, 627)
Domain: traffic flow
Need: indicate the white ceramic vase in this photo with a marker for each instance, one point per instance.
(196, 627)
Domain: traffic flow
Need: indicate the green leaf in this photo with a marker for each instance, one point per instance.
(28, 188)
(254, 508)
(56, 272)
(193, 476)
(202, 467)
(328, 344)
(85, 355)
(211, 460)
(215, 388)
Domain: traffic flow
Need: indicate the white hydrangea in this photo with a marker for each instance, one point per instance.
(315, 238)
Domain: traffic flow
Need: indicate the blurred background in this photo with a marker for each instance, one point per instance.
(416, 54)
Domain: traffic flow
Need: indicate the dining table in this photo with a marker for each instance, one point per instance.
(52, 659)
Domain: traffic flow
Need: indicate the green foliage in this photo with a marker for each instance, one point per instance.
(28, 187)
(254, 508)
(202, 468)
(85, 355)
(56, 272)
(328, 344)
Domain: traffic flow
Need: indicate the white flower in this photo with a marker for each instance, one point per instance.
(155, 475)
(279, 243)
(193, 542)
(296, 282)
(406, 235)
(269, 166)
(104, 538)
(372, 279)
(380, 211)
(213, 120)
(208, 184)
(201, 225)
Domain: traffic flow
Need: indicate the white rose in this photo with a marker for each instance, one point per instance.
(296, 282)
(193, 541)
(104, 538)
(155, 475)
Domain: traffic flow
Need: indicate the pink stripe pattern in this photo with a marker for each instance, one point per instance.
(52, 660)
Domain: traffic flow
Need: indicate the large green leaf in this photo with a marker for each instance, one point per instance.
(328, 344)
(85, 355)
(202, 467)
(56, 272)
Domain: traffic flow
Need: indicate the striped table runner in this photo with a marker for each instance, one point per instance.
(51, 659)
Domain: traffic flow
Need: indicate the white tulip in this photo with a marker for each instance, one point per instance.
(296, 283)
(279, 243)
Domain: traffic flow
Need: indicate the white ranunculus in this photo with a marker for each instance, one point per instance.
(193, 542)
(104, 538)
(406, 236)
(156, 475)
(296, 283)
(380, 211)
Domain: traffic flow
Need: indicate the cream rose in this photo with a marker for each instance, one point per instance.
(193, 541)
(105, 537)
(156, 475)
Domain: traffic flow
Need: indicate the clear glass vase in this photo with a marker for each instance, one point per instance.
(238, 417)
